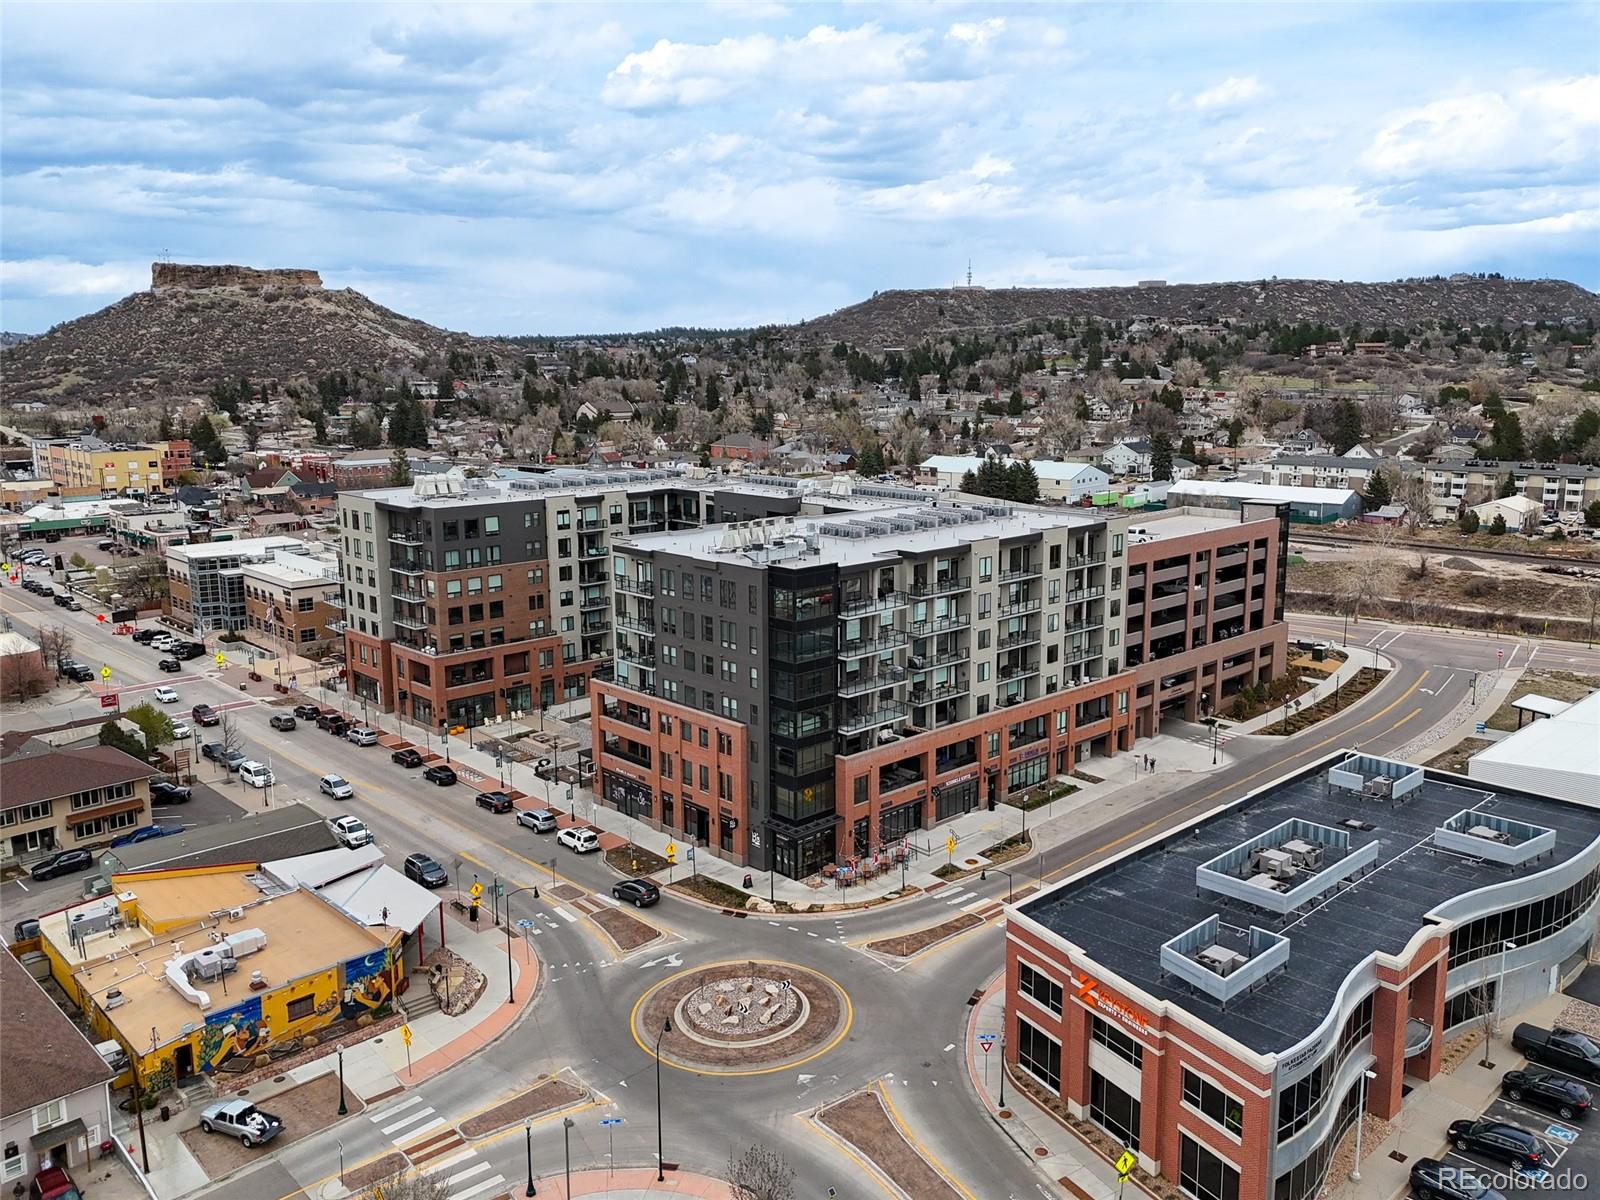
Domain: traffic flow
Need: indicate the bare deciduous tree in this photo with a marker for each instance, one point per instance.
(55, 644)
(26, 679)
(760, 1173)
(232, 735)
(406, 1185)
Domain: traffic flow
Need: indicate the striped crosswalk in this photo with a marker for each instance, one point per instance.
(436, 1148)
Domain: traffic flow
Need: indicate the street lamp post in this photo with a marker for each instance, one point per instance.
(1499, 994)
(527, 1135)
(344, 1108)
(566, 1145)
(511, 985)
(984, 874)
(1361, 1114)
(661, 1161)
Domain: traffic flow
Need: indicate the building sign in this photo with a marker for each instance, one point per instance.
(1088, 990)
(1031, 752)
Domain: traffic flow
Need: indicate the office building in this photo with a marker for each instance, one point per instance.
(92, 467)
(207, 582)
(1224, 998)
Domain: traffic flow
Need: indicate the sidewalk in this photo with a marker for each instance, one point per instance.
(1039, 1137)
(373, 1068)
(1360, 659)
(1493, 688)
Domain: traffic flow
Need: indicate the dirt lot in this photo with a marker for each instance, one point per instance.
(626, 930)
(862, 1121)
(1495, 586)
(376, 1171)
(307, 1109)
(546, 1097)
(907, 944)
(1455, 758)
(1558, 685)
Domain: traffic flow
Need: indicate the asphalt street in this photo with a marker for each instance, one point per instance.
(908, 1020)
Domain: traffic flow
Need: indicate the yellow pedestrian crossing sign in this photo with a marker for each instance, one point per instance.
(405, 1034)
(672, 852)
(221, 659)
(475, 890)
(1126, 1162)
(950, 843)
(105, 672)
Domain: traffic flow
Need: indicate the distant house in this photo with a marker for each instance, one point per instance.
(1069, 482)
(740, 447)
(606, 410)
(1127, 458)
(1520, 512)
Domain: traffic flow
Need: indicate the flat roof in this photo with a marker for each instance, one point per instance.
(1263, 491)
(1183, 523)
(304, 934)
(1121, 914)
(235, 547)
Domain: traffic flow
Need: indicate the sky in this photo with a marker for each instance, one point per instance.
(602, 167)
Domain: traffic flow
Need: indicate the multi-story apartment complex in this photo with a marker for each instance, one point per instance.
(1565, 489)
(90, 466)
(803, 690)
(1224, 999)
(291, 601)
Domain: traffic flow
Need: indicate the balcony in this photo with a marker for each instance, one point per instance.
(337, 626)
(594, 628)
(594, 600)
(1011, 672)
(634, 587)
(593, 572)
(1019, 738)
(888, 639)
(887, 602)
(643, 687)
(644, 625)
(1023, 637)
(405, 566)
(1026, 571)
(946, 585)
(945, 691)
(1081, 654)
(406, 621)
(408, 596)
(883, 714)
(1081, 626)
(927, 662)
(639, 758)
(1018, 609)
(333, 599)
(883, 678)
(922, 629)
(591, 525)
(630, 715)
(1082, 594)
(1085, 560)
(645, 662)
(404, 537)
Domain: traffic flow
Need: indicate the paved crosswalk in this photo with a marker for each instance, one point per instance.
(434, 1147)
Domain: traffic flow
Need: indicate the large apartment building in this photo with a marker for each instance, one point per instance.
(803, 690)
(1564, 489)
(90, 466)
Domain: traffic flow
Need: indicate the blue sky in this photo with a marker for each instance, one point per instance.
(599, 167)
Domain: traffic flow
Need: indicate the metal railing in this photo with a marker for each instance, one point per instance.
(879, 604)
(636, 587)
(873, 682)
(1018, 609)
(942, 587)
(888, 639)
(882, 714)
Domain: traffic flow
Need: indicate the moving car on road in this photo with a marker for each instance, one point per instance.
(495, 802)
(540, 820)
(204, 715)
(165, 694)
(579, 841)
(240, 1119)
(283, 721)
(351, 832)
(65, 862)
(1498, 1139)
(641, 893)
(439, 774)
(1545, 1089)
(335, 787)
(170, 665)
(420, 868)
(409, 757)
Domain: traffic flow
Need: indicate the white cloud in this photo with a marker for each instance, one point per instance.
(989, 165)
(1230, 93)
(63, 277)
(978, 33)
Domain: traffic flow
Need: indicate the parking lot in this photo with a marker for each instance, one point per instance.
(1571, 1151)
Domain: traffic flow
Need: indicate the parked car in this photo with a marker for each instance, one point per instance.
(234, 759)
(1564, 1049)
(52, 1183)
(334, 787)
(409, 757)
(78, 673)
(256, 774)
(147, 833)
(351, 832)
(63, 862)
(580, 841)
(328, 717)
(641, 893)
(439, 774)
(540, 820)
(71, 604)
(181, 730)
(1498, 1139)
(240, 1119)
(188, 650)
(25, 929)
(165, 695)
(1431, 1178)
(205, 716)
(163, 641)
(144, 636)
(339, 727)
(283, 721)
(162, 792)
(214, 751)
(362, 735)
(495, 802)
(307, 712)
(1545, 1089)
(420, 868)
(170, 665)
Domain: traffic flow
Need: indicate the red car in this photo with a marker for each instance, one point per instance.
(52, 1183)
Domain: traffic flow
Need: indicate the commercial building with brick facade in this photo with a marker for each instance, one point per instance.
(1224, 998)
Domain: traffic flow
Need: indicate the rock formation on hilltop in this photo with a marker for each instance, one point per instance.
(906, 317)
(199, 324)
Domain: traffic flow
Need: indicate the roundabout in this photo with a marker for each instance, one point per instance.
(742, 1017)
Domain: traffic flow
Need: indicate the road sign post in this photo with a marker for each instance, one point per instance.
(950, 848)
(986, 1044)
(405, 1036)
(1126, 1161)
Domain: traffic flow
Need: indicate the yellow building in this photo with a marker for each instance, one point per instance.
(94, 467)
(189, 968)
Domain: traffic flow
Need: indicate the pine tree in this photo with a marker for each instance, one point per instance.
(1467, 521)
(1378, 492)
(1160, 455)
(1498, 525)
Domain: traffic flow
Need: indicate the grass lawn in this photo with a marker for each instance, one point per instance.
(1558, 685)
(1455, 758)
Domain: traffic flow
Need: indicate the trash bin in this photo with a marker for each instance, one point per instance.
(166, 1113)
(748, 881)
(1319, 652)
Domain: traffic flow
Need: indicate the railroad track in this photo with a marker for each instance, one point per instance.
(1538, 560)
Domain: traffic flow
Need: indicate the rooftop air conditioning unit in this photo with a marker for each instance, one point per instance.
(236, 914)
(113, 999)
(1221, 960)
(1305, 854)
(1275, 863)
(1488, 833)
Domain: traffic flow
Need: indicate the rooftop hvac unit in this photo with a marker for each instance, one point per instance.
(1488, 833)
(1221, 960)
(1266, 883)
(1276, 863)
(113, 999)
(245, 941)
(1305, 854)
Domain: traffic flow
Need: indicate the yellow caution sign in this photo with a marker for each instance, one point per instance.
(221, 659)
(950, 843)
(1126, 1161)
(475, 890)
(105, 673)
(405, 1034)
(672, 852)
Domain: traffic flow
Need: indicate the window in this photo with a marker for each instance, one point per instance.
(985, 569)
(1203, 1175)
(1299, 1103)
(1212, 1102)
(301, 1007)
(1119, 1043)
(1040, 987)
(1114, 1110)
(1039, 1055)
(46, 1115)
(491, 525)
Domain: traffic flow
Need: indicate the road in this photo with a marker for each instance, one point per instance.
(908, 1019)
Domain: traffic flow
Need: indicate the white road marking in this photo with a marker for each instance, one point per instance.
(395, 1109)
(425, 1127)
(482, 1187)
(435, 1168)
(950, 1047)
(408, 1119)
(467, 1174)
(565, 915)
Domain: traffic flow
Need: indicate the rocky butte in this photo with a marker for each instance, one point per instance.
(194, 278)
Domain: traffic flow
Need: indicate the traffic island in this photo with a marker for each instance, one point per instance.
(550, 1096)
(908, 945)
(742, 1018)
(628, 932)
(863, 1121)
(1347, 694)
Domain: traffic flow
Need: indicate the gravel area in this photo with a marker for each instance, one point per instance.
(1374, 1132)
(546, 1097)
(465, 981)
(862, 1121)
(907, 944)
(626, 930)
(1582, 1016)
(307, 1109)
(379, 1170)
(827, 1008)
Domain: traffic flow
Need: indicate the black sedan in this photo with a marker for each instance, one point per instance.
(1545, 1089)
(170, 665)
(1498, 1139)
(162, 792)
(641, 893)
(495, 802)
(408, 758)
(440, 774)
(1431, 1178)
(420, 868)
(67, 862)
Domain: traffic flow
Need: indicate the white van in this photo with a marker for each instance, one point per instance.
(257, 775)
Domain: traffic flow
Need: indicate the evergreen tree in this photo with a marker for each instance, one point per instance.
(1022, 484)
(1508, 487)
(1591, 515)
(399, 469)
(1346, 431)
(1235, 432)
(915, 390)
(1160, 455)
(1467, 521)
(1508, 443)
(1498, 525)
(1584, 429)
(870, 460)
(1186, 448)
(319, 428)
(969, 484)
(1378, 492)
(713, 394)
(203, 437)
